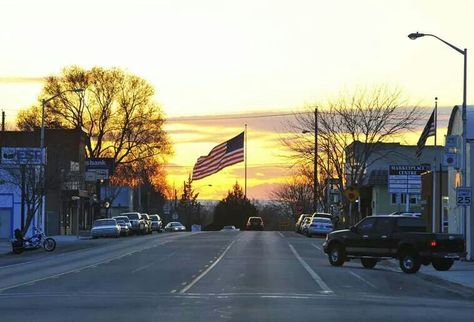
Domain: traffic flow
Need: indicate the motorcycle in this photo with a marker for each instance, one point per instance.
(38, 240)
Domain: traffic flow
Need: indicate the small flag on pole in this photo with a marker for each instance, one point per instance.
(223, 155)
(429, 130)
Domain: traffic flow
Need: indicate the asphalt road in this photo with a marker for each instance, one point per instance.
(220, 276)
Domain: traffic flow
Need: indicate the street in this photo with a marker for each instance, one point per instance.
(220, 276)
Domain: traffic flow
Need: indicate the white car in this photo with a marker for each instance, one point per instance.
(105, 228)
(175, 226)
(319, 226)
(229, 228)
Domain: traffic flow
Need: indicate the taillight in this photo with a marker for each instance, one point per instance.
(433, 243)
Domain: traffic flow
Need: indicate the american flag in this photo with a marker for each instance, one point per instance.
(429, 130)
(223, 155)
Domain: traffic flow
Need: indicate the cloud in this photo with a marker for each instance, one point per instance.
(21, 79)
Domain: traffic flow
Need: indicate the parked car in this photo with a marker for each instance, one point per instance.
(304, 225)
(137, 221)
(124, 230)
(126, 220)
(254, 223)
(319, 226)
(300, 221)
(401, 237)
(156, 223)
(406, 213)
(105, 228)
(175, 226)
(229, 228)
(147, 220)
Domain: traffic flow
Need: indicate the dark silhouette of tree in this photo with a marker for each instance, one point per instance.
(234, 209)
(116, 111)
(188, 206)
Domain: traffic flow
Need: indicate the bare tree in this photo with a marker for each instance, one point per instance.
(26, 179)
(115, 110)
(297, 190)
(364, 118)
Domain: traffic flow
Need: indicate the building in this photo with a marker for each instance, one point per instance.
(68, 203)
(457, 222)
(377, 196)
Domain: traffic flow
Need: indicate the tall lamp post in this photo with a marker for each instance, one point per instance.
(43, 155)
(417, 35)
(315, 163)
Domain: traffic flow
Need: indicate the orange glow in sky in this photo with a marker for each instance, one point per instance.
(212, 57)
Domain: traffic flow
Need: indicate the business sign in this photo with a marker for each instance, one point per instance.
(20, 156)
(452, 142)
(100, 163)
(463, 196)
(99, 168)
(96, 174)
(406, 178)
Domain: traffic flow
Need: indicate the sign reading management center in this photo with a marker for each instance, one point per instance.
(406, 178)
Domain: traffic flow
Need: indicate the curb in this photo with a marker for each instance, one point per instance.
(392, 263)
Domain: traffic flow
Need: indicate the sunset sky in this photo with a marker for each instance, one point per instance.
(217, 64)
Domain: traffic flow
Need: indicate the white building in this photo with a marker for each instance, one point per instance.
(457, 223)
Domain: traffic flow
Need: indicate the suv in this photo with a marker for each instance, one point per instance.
(147, 220)
(255, 223)
(139, 226)
(156, 223)
(300, 221)
(400, 237)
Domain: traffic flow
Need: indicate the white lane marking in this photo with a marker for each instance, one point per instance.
(284, 297)
(313, 274)
(184, 290)
(173, 291)
(317, 247)
(362, 279)
(279, 233)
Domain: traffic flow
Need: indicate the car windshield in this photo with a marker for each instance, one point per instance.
(255, 220)
(322, 220)
(154, 218)
(123, 218)
(105, 223)
(133, 216)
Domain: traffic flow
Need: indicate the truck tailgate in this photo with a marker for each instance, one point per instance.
(449, 243)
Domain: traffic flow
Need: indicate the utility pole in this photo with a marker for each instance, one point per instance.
(315, 177)
(3, 121)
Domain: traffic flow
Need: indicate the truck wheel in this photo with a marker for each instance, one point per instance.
(368, 262)
(442, 264)
(336, 255)
(410, 262)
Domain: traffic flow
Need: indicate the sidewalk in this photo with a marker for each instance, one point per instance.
(462, 272)
(5, 245)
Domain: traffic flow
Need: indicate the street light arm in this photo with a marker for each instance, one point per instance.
(447, 43)
(417, 35)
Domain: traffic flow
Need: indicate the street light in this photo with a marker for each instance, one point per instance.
(42, 170)
(315, 163)
(417, 35)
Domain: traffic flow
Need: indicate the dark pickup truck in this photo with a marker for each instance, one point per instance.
(401, 237)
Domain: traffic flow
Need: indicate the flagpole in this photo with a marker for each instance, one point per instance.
(245, 157)
(433, 224)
